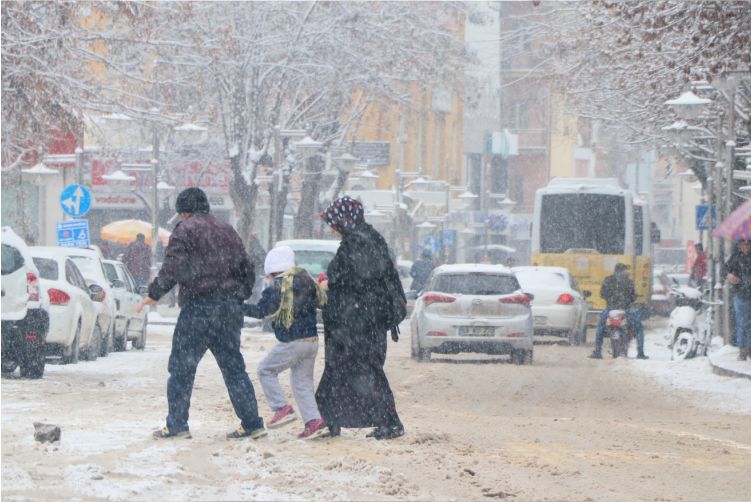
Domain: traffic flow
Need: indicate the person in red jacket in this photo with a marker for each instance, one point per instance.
(699, 268)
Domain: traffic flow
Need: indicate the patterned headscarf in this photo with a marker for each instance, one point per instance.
(344, 214)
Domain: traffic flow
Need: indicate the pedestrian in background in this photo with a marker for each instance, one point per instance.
(292, 298)
(421, 270)
(699, 267)
(365, 300)
(206, 257)
(737, 271)
(137, 259)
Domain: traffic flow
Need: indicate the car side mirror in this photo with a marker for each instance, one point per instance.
(586, 293)
(530, 296)
(142, 290)
(96, 293)
(117, 283)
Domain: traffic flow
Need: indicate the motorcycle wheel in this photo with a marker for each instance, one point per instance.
(684, 346)
(615, 343)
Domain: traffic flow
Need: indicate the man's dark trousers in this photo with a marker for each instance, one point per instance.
(214, 325)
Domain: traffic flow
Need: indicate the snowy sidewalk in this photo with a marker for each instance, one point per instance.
(699, 376)
(724, 361)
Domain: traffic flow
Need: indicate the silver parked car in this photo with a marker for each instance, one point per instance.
(473, 308)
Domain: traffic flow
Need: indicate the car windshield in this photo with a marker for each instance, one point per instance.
(315, 262)
(47, 268)
(537, 278)
(474, 284)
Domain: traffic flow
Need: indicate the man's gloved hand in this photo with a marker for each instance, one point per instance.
(395, 333)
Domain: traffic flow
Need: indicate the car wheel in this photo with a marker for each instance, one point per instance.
(522, 356)
(92, 351)
(121, 344)
(140, 343)
(33, 365)
(9, 366)
(71, 355)
(107, 342)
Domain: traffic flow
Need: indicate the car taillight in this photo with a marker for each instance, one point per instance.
(517, 298)
(516, 335)
(32, 286)
(58, 297)
(435, 333)
(615, 322)
(437, 298)
(565, 299)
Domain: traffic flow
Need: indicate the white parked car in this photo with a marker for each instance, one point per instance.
(128, 324)
(25, 309)
(559, 308)
(89, 262)
(314, 255)
(473, 308)
(72, 309)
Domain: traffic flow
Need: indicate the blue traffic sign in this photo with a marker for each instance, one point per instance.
(75, 200)
(73, 233)
(702, 212)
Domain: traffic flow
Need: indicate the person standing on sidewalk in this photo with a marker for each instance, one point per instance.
(206, 257)
(137, 259)
(699, 268)
(737, 271)
(292, 298)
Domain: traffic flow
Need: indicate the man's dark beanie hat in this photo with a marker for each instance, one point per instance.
(192, 200)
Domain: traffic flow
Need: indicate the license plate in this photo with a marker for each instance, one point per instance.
(541, 320)
(476, 331)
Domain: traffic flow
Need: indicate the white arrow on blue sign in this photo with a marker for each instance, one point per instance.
(75, 200)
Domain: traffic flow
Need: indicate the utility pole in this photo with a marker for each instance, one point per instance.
(728, 203)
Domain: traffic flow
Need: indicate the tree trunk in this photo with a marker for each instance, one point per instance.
(244, 198)
(306, 214)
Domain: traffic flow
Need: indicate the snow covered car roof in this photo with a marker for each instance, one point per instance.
(310, 244)
(469, 268)
(533, 268)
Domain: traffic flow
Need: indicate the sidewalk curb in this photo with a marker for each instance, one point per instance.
(719, 370)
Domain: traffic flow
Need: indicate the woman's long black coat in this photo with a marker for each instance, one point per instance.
(354, 391)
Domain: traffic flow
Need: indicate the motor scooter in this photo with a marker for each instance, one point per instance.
(619, 331)
(685, 337)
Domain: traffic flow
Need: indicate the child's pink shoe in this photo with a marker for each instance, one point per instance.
(313, 429)
(281, 417)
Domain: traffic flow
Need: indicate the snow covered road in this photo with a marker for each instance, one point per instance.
(566, 428)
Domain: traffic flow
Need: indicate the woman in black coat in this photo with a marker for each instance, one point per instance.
(362, 283)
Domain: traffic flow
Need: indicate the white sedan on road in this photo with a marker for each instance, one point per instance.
(559, 308)
(89, 262)
(72, 311)
(472, 308)
(128, 324)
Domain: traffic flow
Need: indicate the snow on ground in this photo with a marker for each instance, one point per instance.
(692, 377)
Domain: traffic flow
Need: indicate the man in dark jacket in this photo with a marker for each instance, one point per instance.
(137, 259)
(737, 271)
(206, 257)
(619, 294)
(421, 270)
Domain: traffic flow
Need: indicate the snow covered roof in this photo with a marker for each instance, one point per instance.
(469, 268)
